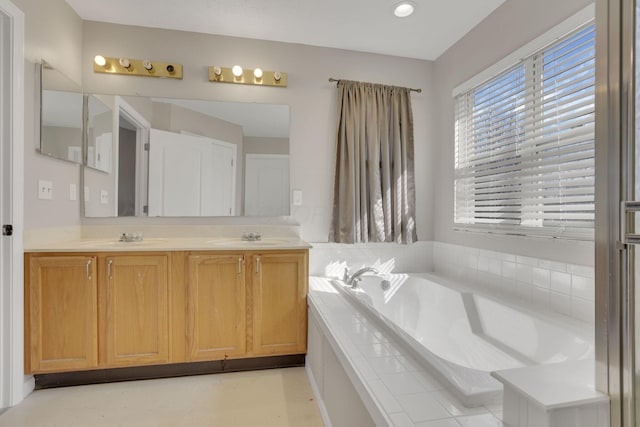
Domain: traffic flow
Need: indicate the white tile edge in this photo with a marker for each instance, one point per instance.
(319, 400)
(375, 409)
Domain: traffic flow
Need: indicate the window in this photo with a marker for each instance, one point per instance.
(524, 160)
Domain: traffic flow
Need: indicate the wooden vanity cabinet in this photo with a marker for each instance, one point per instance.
(279, 302)
(108, 310)
(216, 306)
(61, 313)
(134, 309)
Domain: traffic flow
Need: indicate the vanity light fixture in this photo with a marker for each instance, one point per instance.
(136, 67)
(100, 61)
(404, 9)
(124, 63)
(238, 75)
(237, 71)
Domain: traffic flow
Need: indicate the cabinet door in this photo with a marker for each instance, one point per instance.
(63, 314)
(279, 296)
(216, 307)
(135, 316)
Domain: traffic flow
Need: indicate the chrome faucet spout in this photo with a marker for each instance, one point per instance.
(353, 280)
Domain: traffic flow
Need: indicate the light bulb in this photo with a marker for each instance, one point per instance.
(257, 73)
(404, 9)
(237, 71)
(100, 60)
(217, 71)
(277, 76)
(124, 63)
(147, 65)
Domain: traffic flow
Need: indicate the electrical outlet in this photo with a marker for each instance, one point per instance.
(104, 197)
(73, 192)
(45, 189)
(297, 197)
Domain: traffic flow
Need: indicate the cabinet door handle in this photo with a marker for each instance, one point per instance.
(240, 265)
(109, 269)
(257, 265)
(88, 269)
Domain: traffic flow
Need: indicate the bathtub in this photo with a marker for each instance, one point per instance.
(461, 336)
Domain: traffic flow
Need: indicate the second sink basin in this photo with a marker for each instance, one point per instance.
(247, 243)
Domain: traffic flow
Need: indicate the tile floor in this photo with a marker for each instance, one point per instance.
(277, 397)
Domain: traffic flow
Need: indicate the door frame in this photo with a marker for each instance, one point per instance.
(143, 127)
(14, 385)
(615, 105)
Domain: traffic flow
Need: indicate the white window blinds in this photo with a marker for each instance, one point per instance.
(524, 160)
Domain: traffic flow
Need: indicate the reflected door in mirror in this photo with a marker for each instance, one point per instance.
(190, 175)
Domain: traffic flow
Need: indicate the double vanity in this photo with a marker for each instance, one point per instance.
(97, 304)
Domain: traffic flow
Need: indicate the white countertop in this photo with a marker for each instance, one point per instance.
(169, 244)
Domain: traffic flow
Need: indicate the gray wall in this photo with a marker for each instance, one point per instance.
(263, 145)
(313, 100)
(511, 26)
(53, 33)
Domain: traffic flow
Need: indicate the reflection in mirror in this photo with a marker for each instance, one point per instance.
(193, 158)
(99, 133)
(60, 115)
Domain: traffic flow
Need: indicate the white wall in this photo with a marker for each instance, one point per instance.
(53, 33)
(313, 100)
(511, 26)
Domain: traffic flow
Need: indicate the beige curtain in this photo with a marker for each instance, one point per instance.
(374, 195)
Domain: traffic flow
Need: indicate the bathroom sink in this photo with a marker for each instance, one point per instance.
(118, 243)
(248, 243)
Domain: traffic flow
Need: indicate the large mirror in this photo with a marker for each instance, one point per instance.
(60, 115)
(176, 157)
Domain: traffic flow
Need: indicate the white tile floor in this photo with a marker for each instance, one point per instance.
(276, 398)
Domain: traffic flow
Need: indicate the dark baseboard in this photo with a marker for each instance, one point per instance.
(99, 376)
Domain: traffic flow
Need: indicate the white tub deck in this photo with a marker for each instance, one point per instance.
(394, 388)
(463, 336)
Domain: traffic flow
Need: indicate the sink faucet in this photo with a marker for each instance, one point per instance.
(252, 236)
(131, 237)
(353, 280)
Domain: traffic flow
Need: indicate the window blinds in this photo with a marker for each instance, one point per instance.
(524, 160)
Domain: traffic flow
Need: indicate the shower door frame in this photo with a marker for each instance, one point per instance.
(615, 131)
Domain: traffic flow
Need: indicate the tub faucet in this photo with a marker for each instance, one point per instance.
(353, 280)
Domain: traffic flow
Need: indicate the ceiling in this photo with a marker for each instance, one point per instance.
(260, 120)
(360, 25)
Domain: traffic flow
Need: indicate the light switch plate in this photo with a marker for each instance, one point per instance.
(73, 192)
(297, 197)
(45, 189)
(104, 197)
(87, 193)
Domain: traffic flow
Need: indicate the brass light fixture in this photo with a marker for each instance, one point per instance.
(136, 67)
(238, 75)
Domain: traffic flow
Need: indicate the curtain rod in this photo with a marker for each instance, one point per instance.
(331, 79)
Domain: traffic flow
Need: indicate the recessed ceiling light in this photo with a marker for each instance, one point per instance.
(404, 9)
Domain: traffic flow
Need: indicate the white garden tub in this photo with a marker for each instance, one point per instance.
(462, 336)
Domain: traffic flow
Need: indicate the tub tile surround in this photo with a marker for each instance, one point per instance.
(394, 388)
(568, 289)
(330, 259)
(564, 288)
